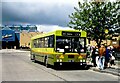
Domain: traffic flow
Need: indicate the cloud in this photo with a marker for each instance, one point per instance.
(46, 1)
(48, 12)
(48, 28)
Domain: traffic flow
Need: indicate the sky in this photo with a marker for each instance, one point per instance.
(48, 15)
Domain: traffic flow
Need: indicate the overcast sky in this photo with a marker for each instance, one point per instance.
(43, 13)
(40, 12)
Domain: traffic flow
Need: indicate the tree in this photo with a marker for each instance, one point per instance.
(95, 18)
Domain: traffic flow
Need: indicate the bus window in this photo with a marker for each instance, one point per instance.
(51, 41)
(34, 43)
(43, 42)
(83, 44)
(46, 42)
(70, 44)
(39, 43)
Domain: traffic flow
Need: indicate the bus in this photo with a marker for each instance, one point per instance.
(59, 48)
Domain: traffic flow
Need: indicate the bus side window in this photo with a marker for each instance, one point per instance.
(51, 41)
(34, 45)
(40, 43)
(46, 42)
(37, 43)
(43, 42)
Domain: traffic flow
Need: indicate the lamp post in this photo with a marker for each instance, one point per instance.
(106, 32)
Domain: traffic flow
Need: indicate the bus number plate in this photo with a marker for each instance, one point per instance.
(70, 60)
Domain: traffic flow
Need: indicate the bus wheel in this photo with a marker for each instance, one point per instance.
(34, 60)
(31, 57)
(46, 61)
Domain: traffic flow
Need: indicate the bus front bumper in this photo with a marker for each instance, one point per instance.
(70, 64)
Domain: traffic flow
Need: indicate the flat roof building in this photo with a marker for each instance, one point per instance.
(17, 36)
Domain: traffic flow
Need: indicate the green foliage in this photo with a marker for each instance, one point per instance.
(95, 18)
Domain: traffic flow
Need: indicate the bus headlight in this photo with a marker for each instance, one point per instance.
(80, 60)
(57, 60)
(83, 60)
(60, 60)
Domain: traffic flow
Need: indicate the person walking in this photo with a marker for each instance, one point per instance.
(97, 56)
(102, 51)
(93, 57)
(88, 50)
(107, 56)
(112, 57)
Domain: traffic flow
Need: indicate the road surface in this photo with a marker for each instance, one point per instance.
(16, 66)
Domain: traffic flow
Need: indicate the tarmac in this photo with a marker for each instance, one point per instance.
(115, 69)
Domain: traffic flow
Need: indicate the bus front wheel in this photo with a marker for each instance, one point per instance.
(34, 60)
(31, 56)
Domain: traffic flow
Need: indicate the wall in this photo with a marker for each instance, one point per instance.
(25, 38)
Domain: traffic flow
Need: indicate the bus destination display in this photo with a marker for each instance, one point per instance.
(71, 33)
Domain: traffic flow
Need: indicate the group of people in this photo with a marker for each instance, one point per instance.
(102, 57)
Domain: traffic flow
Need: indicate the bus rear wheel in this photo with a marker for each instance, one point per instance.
(34, 60)
(31, 56)
(46, 61)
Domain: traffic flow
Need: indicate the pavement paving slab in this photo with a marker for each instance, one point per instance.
(114, 71)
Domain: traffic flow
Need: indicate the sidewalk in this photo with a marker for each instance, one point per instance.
(12, 50)
(115, 70)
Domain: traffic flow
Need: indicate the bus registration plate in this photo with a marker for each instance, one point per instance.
(70, 60)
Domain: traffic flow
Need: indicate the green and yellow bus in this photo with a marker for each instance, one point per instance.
(59, 48)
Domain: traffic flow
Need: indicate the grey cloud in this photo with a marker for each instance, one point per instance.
(36, 13)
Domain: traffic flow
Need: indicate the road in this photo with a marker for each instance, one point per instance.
(16, 66)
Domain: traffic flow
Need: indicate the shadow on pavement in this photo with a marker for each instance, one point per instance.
(62, 68)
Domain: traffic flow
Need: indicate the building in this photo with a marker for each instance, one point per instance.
(17, 36)
(9, 38)
(20, 28)
(25, 38)
(115, 41)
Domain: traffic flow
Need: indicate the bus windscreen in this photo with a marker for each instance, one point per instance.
(70, 44)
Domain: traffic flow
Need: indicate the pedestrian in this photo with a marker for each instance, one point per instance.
(107, 56)
(97, 56)
(102, 51)
(93, 57)
(88, 50)
(112, 57)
